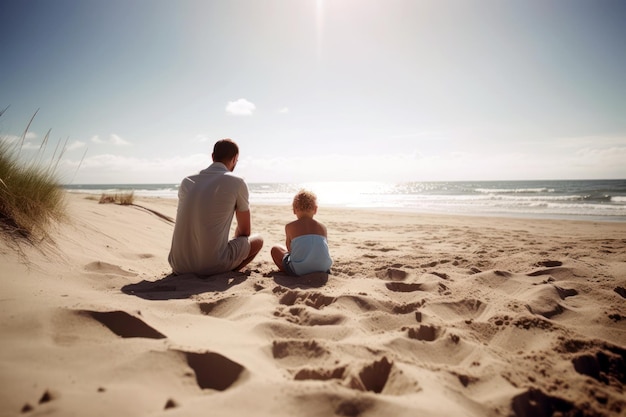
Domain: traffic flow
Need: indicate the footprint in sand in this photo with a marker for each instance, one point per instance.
(320, 374)
(425, 333)
(406, 308)
(304, 316)
(219, 308)
(123, 324)
(553, 273)
(604, 365)
(357, 303)
(464, 309)
(374, 376)
(299, 348)
(106, 268)
(311, 299)
(392, 274)
(589, 365)
(547, 310)
(212, 370)
(565, 292)
(534, 402)
(45, 398)
(544, 301)
(379, 376)
(550, 264)
(404, 287)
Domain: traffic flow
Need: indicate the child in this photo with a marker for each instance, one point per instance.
(306, 239)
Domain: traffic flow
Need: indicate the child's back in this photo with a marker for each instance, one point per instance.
(306, 238)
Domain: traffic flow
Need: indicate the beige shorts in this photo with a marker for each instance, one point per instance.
(239, 249)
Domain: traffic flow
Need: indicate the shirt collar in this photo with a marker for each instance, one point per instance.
(215, 166)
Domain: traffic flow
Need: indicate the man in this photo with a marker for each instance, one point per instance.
(206, 204)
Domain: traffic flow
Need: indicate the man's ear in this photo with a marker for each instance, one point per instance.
(233, 163)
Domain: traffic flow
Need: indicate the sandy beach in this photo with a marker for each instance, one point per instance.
(427, 315)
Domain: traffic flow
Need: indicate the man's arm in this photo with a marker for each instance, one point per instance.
(244, 227)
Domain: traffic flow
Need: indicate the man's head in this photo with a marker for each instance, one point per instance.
(227, 152)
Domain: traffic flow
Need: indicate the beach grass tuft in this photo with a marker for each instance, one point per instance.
(124, 199)
(31, 196)
(128, 199)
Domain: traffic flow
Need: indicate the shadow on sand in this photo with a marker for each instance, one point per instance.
(183, 286)
(313, 280)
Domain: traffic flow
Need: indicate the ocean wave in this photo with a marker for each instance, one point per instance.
(514, 190)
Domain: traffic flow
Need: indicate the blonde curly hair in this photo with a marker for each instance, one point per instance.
(305, 201)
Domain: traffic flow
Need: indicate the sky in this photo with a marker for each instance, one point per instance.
(138, 91)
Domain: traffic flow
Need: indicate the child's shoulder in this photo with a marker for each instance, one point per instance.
(294, 222)
(293, 225)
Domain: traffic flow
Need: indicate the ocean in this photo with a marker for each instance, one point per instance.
(598, 200)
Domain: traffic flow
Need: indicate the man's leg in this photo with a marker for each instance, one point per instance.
(256, 244)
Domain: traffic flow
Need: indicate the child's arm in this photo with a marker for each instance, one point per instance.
(323, 230)
(288, 238)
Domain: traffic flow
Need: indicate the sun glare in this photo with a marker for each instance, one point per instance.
(346, 193)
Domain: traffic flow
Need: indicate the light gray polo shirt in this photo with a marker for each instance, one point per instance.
(206, 205)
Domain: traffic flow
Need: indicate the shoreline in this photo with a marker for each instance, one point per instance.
(425, 314)
(415, 211)
(601, 200)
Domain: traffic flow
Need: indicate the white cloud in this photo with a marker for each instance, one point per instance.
(9, 139)
(75, 145)
(418, 163)
(284, 110)
(117, 169)
(112, 140)
(30, 146)
(16, 138)
(116, 140)
(346, 168)
(241, 107)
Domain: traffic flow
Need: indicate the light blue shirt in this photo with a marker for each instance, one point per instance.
(309, 253)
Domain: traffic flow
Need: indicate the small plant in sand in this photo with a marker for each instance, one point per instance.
(124, 199)
(128, 199)
(31, 197)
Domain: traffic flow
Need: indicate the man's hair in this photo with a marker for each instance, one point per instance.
(304, 201)
(224, 150)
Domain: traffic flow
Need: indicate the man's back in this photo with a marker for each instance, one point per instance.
(206, 205)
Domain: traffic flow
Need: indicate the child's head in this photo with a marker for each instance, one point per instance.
(305, 202)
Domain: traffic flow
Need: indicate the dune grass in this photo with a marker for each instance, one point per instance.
(31, 197)
(128, 199)
(124, 199)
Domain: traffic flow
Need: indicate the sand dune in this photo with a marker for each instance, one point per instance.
(421, 315)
